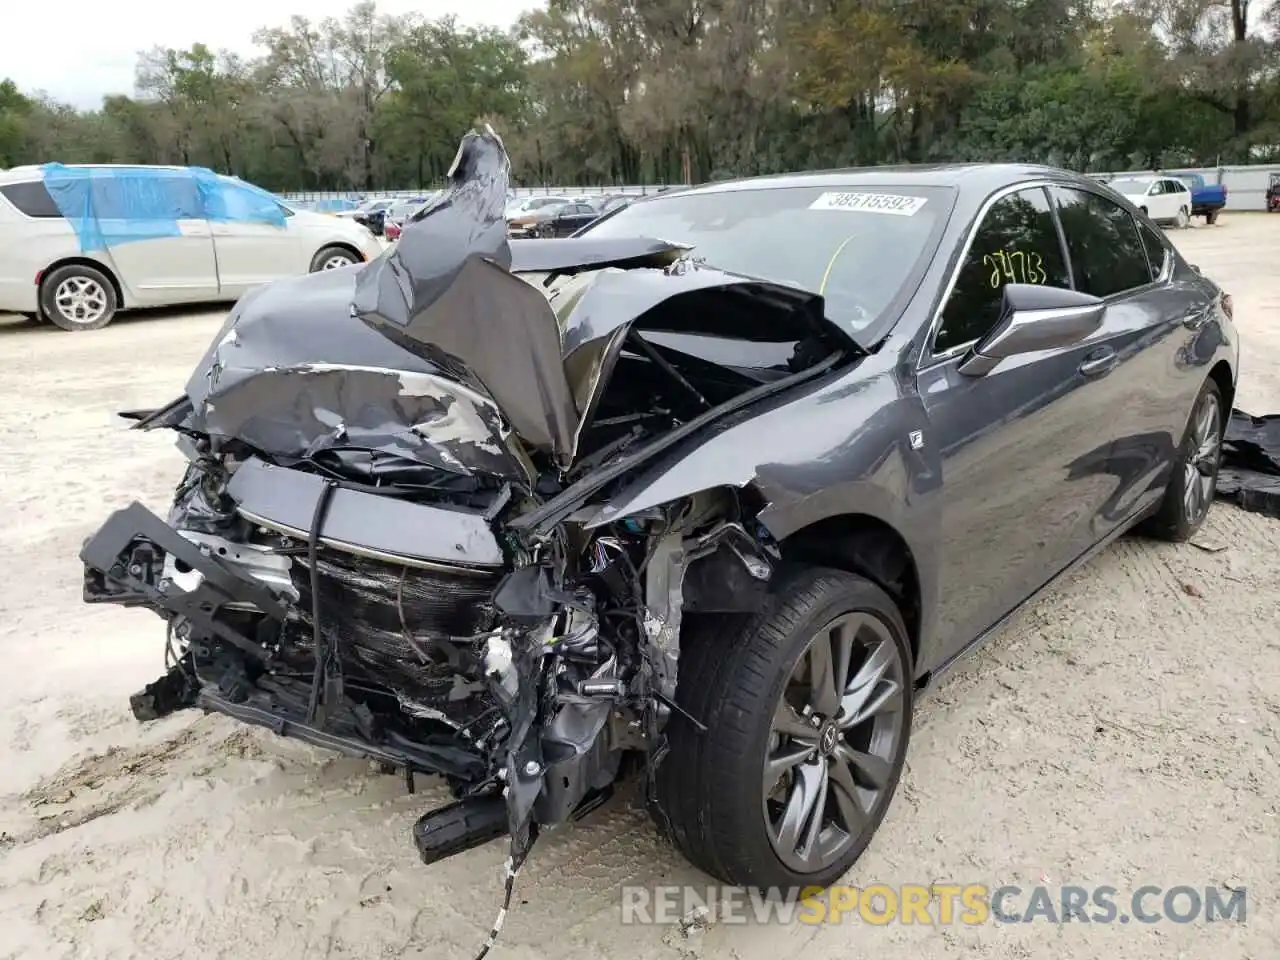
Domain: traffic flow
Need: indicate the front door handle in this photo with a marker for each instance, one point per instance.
(1099, 362)
(1195, 319)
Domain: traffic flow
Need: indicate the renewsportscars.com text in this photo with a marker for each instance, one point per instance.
(936, 904)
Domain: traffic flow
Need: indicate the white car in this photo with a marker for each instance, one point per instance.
(152, 237)
(1163, 199)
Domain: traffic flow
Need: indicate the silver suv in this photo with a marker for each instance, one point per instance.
(79, 243)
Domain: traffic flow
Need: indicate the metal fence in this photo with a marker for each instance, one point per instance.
(1246, 186)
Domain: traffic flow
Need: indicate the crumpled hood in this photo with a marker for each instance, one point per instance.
(440, 352)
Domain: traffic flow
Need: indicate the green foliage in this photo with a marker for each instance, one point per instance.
(599, 91)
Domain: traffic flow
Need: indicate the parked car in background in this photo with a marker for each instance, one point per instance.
(369, 214)
(1163, 199)
(520, 211)
(1207, 199)
(528, 223)
(612, 203)
(1273, 193)
(152, 237)
(563, 220)
(396, 215)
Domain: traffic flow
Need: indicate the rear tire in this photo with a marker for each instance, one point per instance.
(1211, 217)
(738, 676)
(78, 297)
(1183, 220)
(1183, 510)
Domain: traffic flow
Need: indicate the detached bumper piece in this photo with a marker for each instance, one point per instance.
(1250, 473)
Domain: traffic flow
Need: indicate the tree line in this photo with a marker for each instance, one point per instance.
(659, 91)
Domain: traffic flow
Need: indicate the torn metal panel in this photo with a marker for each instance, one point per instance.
(292, 374)
(484, 326)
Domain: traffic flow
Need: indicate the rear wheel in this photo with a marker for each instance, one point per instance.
(1183, 219)
(808, 713)
(1195, 472)
(333, 258)
(1211, 217)
(78, 297)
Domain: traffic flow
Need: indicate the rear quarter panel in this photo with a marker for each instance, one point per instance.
(31, 245)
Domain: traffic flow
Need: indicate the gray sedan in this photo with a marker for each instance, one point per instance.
(715, 489)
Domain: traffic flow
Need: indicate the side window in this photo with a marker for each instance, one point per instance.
(1154, 246)
(1106, 251)
(1016, 243)
(31, 199)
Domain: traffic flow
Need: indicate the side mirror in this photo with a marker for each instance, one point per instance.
(1034, 318)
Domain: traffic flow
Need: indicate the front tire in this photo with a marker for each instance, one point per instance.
(1194, 481)
(332, 258)
(78, 297)
(808, 712)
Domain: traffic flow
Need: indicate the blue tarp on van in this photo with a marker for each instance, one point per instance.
(109, 206)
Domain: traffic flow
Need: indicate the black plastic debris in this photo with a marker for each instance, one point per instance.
(1250, 472)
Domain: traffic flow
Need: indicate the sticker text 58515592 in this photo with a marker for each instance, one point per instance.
(870, 203)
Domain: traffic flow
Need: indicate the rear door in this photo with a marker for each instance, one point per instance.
(1023, 448)
(1148, 327)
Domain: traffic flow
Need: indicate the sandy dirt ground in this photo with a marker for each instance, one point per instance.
(1125, 731)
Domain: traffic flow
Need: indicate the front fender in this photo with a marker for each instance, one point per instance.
(844, 449)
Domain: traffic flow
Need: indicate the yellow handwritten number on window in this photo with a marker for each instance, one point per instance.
(1014, 266)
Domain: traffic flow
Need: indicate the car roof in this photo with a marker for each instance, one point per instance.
(983, 177)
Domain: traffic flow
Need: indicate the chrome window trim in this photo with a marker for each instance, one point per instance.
(928, 359)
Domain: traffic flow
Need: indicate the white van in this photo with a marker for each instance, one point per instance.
(80, 242)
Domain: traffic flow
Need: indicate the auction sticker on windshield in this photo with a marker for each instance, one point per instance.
(869, 203)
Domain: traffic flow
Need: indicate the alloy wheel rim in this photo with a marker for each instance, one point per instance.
(835, 734)
(1200, 471)
(337, 262)
(80, 300)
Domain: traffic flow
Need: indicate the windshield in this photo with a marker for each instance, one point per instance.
(856, 247)
(1129, 185)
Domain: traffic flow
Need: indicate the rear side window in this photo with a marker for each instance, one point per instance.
(1107, 254)
(1154, 246)
(32, 199)
(1016, 242)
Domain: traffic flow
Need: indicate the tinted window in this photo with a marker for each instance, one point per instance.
(1107, 254)
(1016, 243)
(1154, 246)
(31, 198)
(858, 247)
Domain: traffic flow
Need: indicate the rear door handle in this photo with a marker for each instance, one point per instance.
(1099, 362)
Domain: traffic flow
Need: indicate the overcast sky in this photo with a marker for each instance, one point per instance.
(90, 47)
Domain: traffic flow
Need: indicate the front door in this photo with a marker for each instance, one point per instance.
(1023, 448)
(251, 251)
